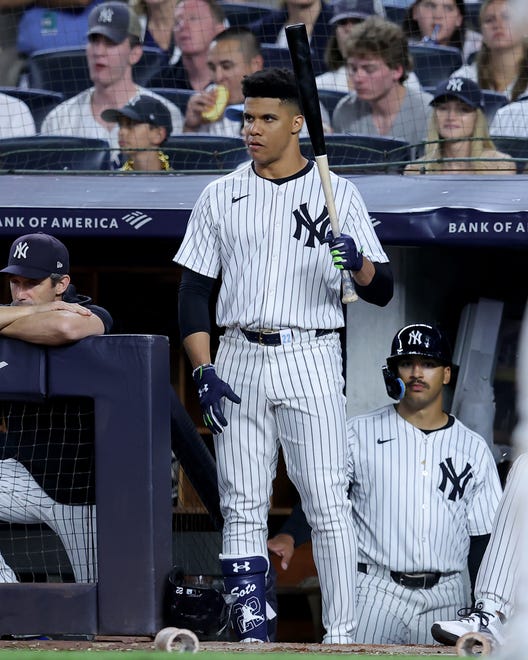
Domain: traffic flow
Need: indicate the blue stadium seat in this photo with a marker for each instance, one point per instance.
(53, 153)
(243, 13)
(395, 14)
(175, 95)
(65, 70)
(517, 148)
(39, 101)
(330, 98)
(433, 63)
(363, 153)
(200, 151)
(492, 102)
(276, 56)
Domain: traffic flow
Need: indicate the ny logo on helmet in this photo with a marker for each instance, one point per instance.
(415, 337)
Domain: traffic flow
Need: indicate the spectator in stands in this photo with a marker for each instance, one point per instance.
(46, 309)
(16, 119)
(441, 22)
(458, 130)
(144, 126)
(196, 24)
(378, 61)
(315, 14)
(502, 62)
(233, 54)
(157, 21)
(345, 14)
(512, 119)
(57, 24)
(114, 45)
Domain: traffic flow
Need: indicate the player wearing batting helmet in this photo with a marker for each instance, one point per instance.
(424, 490)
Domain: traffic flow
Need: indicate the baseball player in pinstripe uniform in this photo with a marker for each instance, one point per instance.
(278, 369)
(424, 489)
(499, 571)
(46, 310)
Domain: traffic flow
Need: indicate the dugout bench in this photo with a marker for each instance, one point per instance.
(127, 376)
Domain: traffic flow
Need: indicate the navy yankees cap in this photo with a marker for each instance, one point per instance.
(114, 20)
(359, 9)
(37, 256)
(143, 109)
(464, 89)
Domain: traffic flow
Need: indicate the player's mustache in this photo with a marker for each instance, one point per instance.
(417, 381)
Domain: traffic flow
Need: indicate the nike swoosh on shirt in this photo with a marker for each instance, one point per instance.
(237, 199)
(382, 442)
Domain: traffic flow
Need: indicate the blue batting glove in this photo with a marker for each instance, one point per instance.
(211, 390)
(344, 252)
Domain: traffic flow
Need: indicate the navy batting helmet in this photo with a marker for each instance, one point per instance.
(203, 609)
(419, 339)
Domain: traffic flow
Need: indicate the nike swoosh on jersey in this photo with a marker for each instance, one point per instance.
(382, 442)
(237, 199)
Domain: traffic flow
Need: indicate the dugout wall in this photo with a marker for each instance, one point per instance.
(127, 376)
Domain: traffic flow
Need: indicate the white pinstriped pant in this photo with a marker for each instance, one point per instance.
(293, 392)
(23, 501)
(391, 614)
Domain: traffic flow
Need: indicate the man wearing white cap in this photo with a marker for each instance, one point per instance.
(114, 46)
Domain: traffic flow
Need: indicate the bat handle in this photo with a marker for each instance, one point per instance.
(349, 294)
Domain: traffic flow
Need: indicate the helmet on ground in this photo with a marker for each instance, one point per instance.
(201, 608)
(419, 339)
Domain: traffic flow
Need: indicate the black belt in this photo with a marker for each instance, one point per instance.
(272, 338)
(410, 580)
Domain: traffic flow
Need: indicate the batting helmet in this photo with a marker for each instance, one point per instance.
(203, 609)
(419, 339)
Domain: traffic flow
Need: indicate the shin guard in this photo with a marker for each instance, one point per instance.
(245, 577)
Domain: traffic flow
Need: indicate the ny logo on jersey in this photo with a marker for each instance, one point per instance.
(304, 220)
(458, 481)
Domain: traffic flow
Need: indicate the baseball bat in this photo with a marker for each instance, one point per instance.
(301, 58)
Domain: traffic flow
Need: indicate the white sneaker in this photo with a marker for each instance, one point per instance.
(470, 620)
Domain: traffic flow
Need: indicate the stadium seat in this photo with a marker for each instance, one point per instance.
(472, 12)
(243, 13)
(517, 148)
(175, 95)
(276, 55)
(433, 63)
(330, 98)
(65, 70)
(395, 14)
(200, 151)
(492, 102)
(54, 152)
(363, 153)
(39, 101)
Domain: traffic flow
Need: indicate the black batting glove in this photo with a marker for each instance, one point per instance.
(211, 390)
(344, 252)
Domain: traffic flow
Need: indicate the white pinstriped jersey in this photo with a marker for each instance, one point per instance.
(266, 238)
(418, 497)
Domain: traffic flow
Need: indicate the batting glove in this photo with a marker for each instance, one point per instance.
(344, 252)
(211, 389)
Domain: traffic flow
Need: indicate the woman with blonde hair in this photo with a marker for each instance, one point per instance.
(157, 20)
(458, 139)
(501, 64)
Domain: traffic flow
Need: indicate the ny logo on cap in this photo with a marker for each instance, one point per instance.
(21, 251)
(455, 85)
(415, 337)
(106, 15)
(59, 264)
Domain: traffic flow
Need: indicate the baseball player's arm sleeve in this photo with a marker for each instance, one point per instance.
(477, 548)
(193, 303)
(381, 288)
(297, 526)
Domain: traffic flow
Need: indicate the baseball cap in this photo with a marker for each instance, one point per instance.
(114, 20)
(359, 9)
(37, 256)
(143, 109)
(464, 89)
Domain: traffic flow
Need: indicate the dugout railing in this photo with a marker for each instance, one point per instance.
(127, 376)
